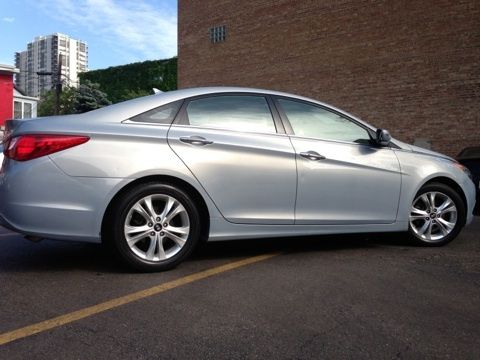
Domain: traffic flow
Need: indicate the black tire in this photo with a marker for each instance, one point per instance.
(115, 234)
(460, 215)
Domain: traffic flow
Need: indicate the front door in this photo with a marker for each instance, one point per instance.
(343, 178)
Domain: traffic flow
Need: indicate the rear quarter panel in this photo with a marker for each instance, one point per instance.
(127, 152)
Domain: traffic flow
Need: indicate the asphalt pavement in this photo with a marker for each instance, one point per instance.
(333, 297)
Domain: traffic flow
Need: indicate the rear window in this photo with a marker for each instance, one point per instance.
(160, 115)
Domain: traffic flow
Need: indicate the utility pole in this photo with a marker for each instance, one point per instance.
(58, 85)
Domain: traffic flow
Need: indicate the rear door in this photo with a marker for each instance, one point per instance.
(239, 153)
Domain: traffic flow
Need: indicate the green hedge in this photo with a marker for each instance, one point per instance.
(133, 80)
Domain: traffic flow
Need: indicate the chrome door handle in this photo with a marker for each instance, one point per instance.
(312, 155)
(195, 140)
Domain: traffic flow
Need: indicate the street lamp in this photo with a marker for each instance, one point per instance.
(58, 83)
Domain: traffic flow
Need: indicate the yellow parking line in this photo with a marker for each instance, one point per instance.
(111, 304)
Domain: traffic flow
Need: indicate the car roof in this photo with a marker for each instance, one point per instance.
(145, 103)
(126, 109)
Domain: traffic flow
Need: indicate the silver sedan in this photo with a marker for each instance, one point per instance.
(153, 176)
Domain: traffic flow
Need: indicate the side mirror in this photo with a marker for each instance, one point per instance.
(383, 137)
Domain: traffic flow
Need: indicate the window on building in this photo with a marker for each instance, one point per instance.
(27, 110)
(316, 122)
(63, 59)
(17, 110)
(218, 34)
(161, 115)
(240, 113)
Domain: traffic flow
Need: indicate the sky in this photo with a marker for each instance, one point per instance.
(117, 31)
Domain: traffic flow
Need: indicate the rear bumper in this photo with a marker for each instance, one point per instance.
(38, 199)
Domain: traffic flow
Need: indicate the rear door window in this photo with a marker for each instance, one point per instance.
(232, 112)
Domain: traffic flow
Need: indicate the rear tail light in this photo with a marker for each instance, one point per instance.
(28, 147)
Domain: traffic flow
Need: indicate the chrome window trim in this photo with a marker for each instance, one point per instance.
(229, 130)
(131, 122)
(339, 142)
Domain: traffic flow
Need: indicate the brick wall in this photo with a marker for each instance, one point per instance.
(412, 67)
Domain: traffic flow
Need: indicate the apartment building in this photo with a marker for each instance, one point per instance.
(39, 63)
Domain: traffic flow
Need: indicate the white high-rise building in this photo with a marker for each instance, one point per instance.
(43, 55)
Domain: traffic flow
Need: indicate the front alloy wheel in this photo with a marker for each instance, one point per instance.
(436, 216)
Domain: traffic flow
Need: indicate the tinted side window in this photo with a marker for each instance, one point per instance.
(240, 113)
(161, 115)
(314, 121)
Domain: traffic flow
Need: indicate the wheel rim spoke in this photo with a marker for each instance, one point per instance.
(442, 228)
(417, 213)
(417, 217)
(149, 207)
(140, 210)
(424, 228)
(135, 233)
(431, 198)
(448, 226)
(130, 230)
(429, 231)
(168, 207)
(150, 239)
(183, 230)
(161, 249)
(450, 209)
(426, 200)
(174, 212)
(445, 205)
(150, 254)
(177, 239)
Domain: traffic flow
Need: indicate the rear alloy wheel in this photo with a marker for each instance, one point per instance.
(156, 227)
(436, 216)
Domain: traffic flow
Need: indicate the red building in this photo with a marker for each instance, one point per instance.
(6, 92)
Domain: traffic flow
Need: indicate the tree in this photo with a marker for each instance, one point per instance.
(46, 106)
(86, 97)
(132, 94)
(125, 82)
(90, 97)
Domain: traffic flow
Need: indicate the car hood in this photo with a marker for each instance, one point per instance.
(420, 150)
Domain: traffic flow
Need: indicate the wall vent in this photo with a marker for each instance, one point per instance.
(217, 34)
